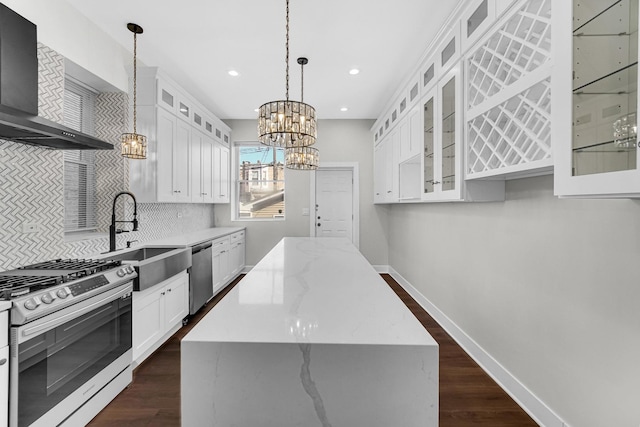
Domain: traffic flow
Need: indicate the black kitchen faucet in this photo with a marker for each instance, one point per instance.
(112, 227)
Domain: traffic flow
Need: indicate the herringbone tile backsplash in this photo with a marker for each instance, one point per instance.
(31, 189)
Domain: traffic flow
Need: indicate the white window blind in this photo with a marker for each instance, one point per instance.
(79, 165)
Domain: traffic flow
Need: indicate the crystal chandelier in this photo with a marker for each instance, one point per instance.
(304, 158)
(287, 123)
(133, 145)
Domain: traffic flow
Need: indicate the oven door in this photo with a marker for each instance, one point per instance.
(54, 357)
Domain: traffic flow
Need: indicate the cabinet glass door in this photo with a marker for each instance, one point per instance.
(449, 135)
(605, 76)
(429, 149)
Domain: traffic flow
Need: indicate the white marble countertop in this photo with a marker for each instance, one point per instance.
(312, 290)
(194, 237)
(5, 305)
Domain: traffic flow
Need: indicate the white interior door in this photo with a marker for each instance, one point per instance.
(334, 203)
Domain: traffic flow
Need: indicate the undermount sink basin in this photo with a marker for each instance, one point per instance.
(153, 265)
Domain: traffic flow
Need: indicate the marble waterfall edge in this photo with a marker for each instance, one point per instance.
(313, 337)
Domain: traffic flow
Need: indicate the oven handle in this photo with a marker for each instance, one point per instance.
(86, 306)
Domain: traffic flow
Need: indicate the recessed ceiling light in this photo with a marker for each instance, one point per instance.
(354, 71)
(233, 73)
(344, 109)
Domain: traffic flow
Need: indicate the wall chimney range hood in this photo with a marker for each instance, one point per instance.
(19, 120)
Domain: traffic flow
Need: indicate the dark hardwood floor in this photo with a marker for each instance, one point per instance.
(468, 396)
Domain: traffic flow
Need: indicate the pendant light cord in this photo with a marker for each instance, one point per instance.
(135, 44)
(287, 57)
(302, 82)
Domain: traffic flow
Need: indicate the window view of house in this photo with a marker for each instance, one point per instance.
(260, 182)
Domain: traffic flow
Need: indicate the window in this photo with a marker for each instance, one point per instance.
(79, 165)
(260, 183)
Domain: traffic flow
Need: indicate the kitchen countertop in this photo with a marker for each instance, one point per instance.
(316, 290)
(194, 237)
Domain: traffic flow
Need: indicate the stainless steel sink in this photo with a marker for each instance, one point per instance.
(153, 265)
(142, 254)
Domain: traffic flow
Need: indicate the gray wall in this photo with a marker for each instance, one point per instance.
(338, 141)
(549, 287)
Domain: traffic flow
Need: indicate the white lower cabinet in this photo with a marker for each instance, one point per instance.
(228, 258)
(236, 254)
(220, 264)
(157, 313)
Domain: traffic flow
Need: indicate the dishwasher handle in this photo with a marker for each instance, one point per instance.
(199, 248)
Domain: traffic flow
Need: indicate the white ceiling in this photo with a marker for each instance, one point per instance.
(197, 42)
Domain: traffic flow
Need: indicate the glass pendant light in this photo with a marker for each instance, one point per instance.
(303, 158)
(134, 145)
(286, 123)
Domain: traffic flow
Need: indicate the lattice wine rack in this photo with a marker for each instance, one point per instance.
(508, 94)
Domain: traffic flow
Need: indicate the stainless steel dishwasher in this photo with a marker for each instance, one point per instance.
(200, 277)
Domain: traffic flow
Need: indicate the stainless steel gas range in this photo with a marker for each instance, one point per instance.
(70, 350)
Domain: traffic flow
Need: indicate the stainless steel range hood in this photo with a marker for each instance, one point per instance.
(19, 120)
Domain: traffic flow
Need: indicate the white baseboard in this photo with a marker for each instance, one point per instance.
(381, 268)
(529, 402)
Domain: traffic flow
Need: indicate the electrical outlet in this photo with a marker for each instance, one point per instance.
(30, 227)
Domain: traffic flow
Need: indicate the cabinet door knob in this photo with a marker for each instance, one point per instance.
(3, 361)
(161, 293)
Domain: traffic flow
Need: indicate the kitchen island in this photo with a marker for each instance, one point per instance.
(311, 336)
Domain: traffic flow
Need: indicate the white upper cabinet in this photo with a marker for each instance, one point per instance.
(595, 98)
(201, 168)
(442, 140)
(476, 19)
(449, 48)
(165, 175)
(385, 158)
(221, 184)
(181, 165)
(508, 95)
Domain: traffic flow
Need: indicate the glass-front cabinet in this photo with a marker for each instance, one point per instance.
(595, 98)
(429, 143)
(441, 139)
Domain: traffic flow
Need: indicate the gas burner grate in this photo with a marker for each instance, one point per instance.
(74, 268)
(72, 264)
(15, 286)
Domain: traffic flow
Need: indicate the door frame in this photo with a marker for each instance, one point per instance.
(354, 168)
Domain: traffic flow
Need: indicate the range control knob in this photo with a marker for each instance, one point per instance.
(30, 304)
(130, 269)
(121, 272)
(46, 298)
(62, 293)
